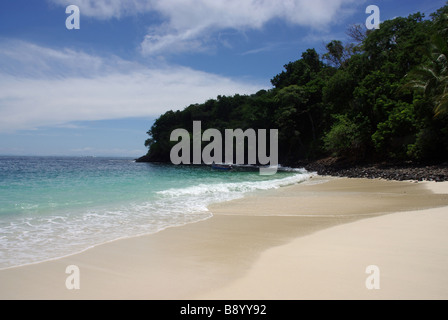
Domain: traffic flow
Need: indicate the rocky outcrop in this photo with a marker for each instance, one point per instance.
(384, 170)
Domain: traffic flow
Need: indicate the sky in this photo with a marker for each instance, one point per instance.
(96, 90)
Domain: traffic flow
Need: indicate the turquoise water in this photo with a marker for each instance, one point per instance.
(52, 207)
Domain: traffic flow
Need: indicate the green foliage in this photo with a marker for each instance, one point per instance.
(345, 137)
(397, 45)
(339, 54)
(338, 91)
(397, 132)
(299, 72)
(431, 78)
(426, 146)
(385, 96)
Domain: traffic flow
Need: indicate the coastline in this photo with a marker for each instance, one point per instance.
(224, 256)
(397, 171)
(408, 248)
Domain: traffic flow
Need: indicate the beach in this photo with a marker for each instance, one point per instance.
(312, 240)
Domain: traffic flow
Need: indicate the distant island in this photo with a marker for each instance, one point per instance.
(379, 101)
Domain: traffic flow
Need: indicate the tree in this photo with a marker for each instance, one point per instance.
(397, 46)
(431, 78)
(351, 102)
(345, 138)
(338, 92)
(394, 135)
(299, 72)
(358, 33)
(337, 54)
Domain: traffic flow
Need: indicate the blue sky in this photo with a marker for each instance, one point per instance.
(97, 90)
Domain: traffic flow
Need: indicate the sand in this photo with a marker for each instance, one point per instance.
(308, 241)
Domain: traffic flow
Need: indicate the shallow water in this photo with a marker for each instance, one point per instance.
(56, 206)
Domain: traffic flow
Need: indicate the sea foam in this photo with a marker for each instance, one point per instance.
(129, 200)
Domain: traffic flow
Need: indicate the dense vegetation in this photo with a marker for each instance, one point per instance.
(382, 97)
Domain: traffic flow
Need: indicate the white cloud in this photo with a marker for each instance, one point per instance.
(107, 9)
(42, 86)
(47, 87)
(188, 24)
(191, 22)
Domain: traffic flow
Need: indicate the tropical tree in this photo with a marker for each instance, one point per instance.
(432, 77)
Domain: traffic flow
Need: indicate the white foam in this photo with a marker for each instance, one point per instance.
(240, 187)
(33, 239)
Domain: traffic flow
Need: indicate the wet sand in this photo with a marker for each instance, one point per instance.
(308, 241)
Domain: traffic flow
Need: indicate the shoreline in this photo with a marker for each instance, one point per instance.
(394, 171)
(201, 213)
(408, 249)
(344, 168)
(198, 260)
(100, 244)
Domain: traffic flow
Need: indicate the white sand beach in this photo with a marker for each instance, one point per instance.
(308, 241)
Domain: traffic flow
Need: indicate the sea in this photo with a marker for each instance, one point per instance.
(52, 207)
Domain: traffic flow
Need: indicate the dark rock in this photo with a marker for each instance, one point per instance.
(384, 170)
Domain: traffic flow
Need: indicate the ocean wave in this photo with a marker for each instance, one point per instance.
(237, 187)
(36, 234)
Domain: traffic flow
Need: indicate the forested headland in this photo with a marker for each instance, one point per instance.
(382, 97)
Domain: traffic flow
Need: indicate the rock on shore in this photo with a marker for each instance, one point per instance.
(389, 171)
